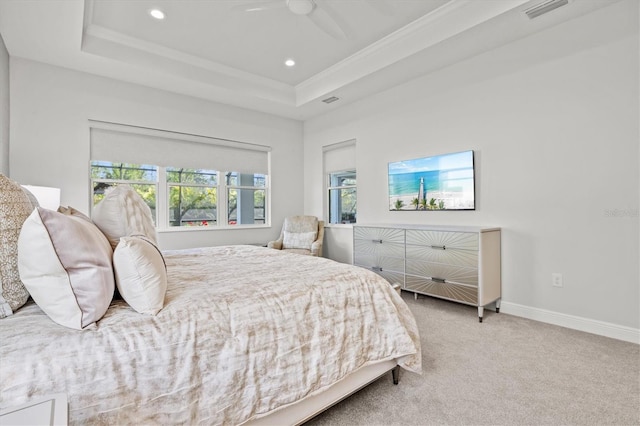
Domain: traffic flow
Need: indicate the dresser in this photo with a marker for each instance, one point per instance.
(460, 264)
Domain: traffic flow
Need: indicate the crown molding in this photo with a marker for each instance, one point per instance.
(104, 42)
(445, 22)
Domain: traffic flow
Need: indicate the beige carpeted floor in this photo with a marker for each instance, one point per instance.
(505, 371)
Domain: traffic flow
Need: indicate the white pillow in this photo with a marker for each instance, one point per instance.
(299, 240)
(121, 213)
(65, 263)
(141, 274)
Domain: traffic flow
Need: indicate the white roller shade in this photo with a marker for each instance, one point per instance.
(146, 146)
(339, 157)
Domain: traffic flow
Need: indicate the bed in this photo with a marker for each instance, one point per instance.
(247, 335)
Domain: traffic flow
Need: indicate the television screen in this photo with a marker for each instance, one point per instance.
(441, 182)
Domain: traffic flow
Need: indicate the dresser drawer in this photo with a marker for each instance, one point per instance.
(391, 276)
(379, 235)
(451, 291)
(446, 239)
(377, 261)
(450, 256)
(442, 271)
(375, 248)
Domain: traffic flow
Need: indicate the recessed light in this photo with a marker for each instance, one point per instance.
(289, 62)
(157, 13)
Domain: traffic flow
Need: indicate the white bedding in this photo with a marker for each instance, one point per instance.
(245, 330)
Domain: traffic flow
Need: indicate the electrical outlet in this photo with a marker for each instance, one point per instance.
(556, 279)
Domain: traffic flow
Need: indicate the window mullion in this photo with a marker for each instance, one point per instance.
(223, 207)
(162, 197)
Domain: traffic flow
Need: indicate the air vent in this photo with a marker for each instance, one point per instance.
(329, 100)
(542, 8)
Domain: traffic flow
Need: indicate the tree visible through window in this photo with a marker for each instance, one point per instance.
(188, 197)
(193, 197)
(342, 197)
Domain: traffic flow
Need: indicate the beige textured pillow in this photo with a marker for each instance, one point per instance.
(122, 213)
(65, 263)
(15, 207)
(141, 274)
(32, 198)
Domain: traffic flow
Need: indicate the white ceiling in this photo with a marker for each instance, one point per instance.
(217, 50)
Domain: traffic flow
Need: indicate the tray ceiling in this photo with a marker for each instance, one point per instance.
(217, 50)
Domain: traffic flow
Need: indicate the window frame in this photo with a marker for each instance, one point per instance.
(338, 158)
(111, 142)
(167, 198)
(162, 202)
(264, 188)
(329, 188)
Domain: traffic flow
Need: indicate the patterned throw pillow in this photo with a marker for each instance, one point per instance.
(15, 207)
(32, 198)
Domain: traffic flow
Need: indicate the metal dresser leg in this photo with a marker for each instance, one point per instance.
(395, 373)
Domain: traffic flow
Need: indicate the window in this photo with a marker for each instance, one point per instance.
(185, 179)
(339, 167)
(193, 197)
(246, 195)
(342, 197)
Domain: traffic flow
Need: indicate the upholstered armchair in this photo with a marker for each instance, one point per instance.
(300, 234)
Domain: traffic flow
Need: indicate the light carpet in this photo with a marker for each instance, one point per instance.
(504, 371)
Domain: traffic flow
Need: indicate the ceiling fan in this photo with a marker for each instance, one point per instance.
(312, 9)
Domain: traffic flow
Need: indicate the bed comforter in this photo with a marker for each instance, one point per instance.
(245, 330)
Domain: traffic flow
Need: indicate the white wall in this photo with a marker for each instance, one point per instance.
(50, 109)
(553, 120)
(4, 109)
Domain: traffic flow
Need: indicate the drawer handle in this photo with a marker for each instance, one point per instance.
(376, 268)
(377, 241)
(439, 247)
(438, 280)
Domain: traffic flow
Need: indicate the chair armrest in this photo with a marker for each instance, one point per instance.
(316, 248)
(275, 244)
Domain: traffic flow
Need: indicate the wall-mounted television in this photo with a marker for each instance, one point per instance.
(441, 182)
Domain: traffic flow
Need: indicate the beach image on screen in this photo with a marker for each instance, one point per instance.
(443, 182)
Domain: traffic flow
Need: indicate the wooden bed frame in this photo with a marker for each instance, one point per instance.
(305, 409)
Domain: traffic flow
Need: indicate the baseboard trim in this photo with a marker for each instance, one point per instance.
(600, 328)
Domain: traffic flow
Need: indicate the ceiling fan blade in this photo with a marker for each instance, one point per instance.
(327, 23)
(259, 6)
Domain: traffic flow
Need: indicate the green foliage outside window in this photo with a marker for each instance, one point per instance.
(193, 194)
(140, 177)
(193, 197)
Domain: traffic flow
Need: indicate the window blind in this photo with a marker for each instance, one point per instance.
(339, 157)
(129, 144)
